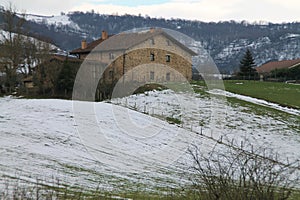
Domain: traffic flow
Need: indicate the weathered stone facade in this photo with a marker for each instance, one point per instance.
(147, 57)
(148, 65)
(155, 51)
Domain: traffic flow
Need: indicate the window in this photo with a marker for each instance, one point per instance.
(168, 58)
(168, 76)
(152, 41)
(168, 43)
(152, 56)
(111, 74)
(151, 75)
(111, 56)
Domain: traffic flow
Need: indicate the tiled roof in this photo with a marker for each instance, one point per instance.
(268, 67)
(89, 47)
(125, 41)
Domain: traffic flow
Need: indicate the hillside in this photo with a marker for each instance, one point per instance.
(225, 41)
(35, 146)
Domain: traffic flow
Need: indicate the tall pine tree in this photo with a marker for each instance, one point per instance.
(247, 65)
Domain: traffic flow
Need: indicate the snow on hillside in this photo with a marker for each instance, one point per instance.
(226, 41)
(39, 138)
(289, 35)
(4, 35)
(61, 20)
(217, 117)
(236, 46)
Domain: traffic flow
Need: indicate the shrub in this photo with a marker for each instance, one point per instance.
(235, 173)
(172, 120)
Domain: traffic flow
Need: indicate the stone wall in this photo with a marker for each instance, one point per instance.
(136, 65)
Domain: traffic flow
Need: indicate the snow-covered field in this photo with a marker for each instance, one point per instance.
(218, 117)
(39, 140)
(43, 139)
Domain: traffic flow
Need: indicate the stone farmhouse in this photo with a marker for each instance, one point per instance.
(148, 56)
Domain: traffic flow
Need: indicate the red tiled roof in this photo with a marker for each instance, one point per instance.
(89, 48)
(268, 67)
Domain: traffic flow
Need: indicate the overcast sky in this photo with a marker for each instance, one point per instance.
(203, 10)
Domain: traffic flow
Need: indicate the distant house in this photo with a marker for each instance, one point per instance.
(125, 51)
(46, 74)
(270, 66)
(279, 70)
(28, 82)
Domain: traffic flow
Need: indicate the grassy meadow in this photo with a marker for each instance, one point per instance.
(277, 92)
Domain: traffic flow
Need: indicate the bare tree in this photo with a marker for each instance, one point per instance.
(236, 173)
(30, 50)
(12, 54)
(46, 72)
(20, 53)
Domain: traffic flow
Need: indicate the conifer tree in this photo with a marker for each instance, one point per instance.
(66, 78)
(247, 65)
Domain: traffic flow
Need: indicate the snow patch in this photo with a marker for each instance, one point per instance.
(61, 20)
(289, 35)
(255, 101)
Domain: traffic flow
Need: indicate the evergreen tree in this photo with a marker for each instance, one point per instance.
(66, 78)
(247, 66)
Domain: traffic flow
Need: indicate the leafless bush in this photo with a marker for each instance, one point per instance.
(40, 189)
(236, 173)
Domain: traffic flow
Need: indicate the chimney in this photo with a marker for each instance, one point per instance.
(104, 35)
(83, 44)
(152, 29)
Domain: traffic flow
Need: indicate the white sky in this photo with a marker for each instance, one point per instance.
(203, 10)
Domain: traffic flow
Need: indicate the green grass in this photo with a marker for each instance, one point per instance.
(295, 195)
(281, 93)
(57, 190)
(172, 120)
(20, 189)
